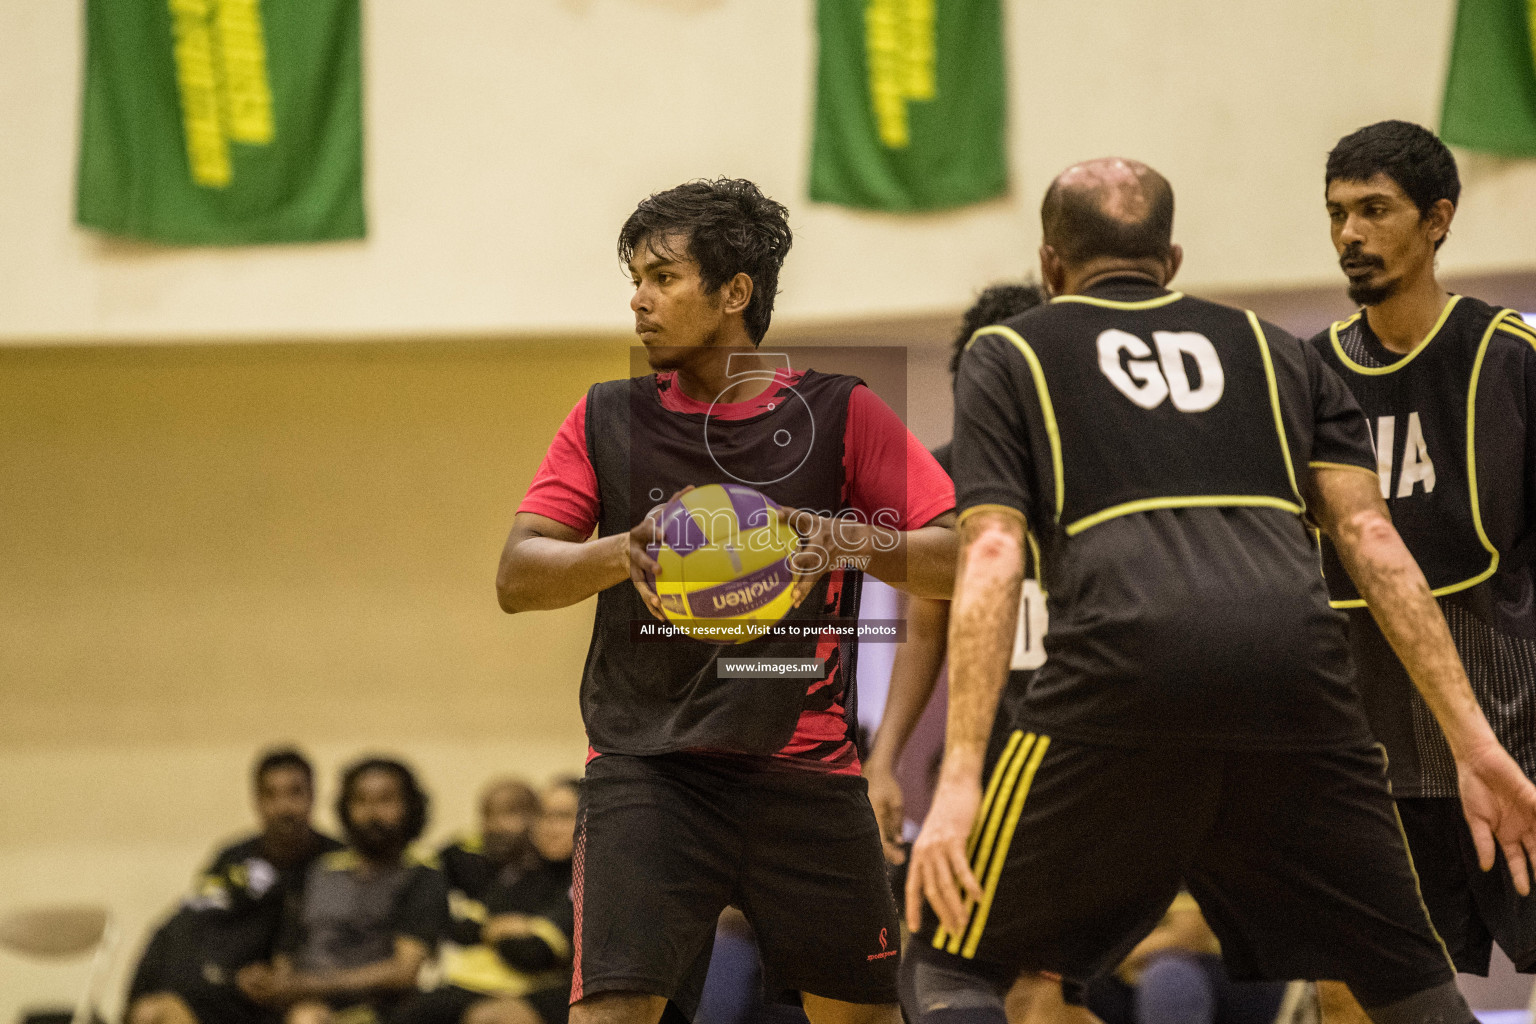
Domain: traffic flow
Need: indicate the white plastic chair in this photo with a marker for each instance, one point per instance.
(62, 933)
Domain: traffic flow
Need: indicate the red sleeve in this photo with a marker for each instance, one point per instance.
(888, 469)
(565, 487)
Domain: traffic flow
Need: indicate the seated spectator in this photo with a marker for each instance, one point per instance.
(500, 851)
(233, 918)
(515, 965)
(372, 912)
(1175, 976)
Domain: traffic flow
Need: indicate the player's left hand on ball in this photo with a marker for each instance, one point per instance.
(938, 869)
(1500, 806)
(818, 548)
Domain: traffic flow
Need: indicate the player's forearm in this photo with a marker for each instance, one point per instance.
(914, 673)
(920, 562)
(538, 573)
(981, 626)
(397, 974)
(1400, 600)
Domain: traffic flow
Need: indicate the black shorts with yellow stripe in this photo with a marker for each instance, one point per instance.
(1296, 858)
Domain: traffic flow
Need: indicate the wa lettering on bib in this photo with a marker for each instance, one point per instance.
(1421, 410)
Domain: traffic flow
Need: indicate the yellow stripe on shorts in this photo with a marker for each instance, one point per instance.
(989, 890)
(1001, 793)
(941, 935)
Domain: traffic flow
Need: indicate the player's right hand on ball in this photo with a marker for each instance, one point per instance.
(939, 870)
(638, 558)
(646, 532)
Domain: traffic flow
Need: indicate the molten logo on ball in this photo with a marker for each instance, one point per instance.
(723, 563)
(747, 594)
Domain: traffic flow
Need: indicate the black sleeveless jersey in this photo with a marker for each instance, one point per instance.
(1152, 442)
(643, 696)
(1455, 441)
(1422, 412)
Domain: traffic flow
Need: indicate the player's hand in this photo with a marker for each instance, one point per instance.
(818, 548)
(885, 797)
(939, 871)
(1500, 805)
(255, 980)
(639, 561)
(266, 984)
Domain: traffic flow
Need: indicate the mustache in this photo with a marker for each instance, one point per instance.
(374, 836)
(1355, 256)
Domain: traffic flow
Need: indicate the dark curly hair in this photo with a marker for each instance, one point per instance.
(731, 228)
(416, 801)
(1410, 155)
(283, 757)
(995, 304)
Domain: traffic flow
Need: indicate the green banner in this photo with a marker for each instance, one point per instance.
(910, 104)
(222, 122)
(1490, 91)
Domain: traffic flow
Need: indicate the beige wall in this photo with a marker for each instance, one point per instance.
(209, 549)
(507, 141)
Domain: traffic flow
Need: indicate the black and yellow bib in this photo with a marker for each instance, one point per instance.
(1169, 402)
(1422, 411)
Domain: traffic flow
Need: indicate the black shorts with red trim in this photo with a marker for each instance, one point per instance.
(1297, 860)
(1470, 907)
(665, 843)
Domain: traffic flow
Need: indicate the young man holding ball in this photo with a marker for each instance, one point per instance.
(704, 792)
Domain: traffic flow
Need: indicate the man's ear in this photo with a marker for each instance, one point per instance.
(1438, 219)
(1174, 262)
(1052, 276)
(736, 294)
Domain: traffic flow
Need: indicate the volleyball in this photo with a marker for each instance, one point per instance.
(723, 558)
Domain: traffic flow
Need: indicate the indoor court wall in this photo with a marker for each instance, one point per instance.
(506, 142)
(209, 549)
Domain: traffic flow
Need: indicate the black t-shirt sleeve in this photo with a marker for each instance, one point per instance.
(422, 912)
(228, 857)
(1340, 434)
(990, 450)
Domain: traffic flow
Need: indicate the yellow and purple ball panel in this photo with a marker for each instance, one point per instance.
(723, 561)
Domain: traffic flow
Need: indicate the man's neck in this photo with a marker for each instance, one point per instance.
(716, 375)
(1405, 320)
(1109, 275)
(1096, 272)
(374, 865)
(285, 853)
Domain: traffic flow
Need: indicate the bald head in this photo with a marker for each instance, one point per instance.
(511, 793)
(508, 807)
(1112, 209)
